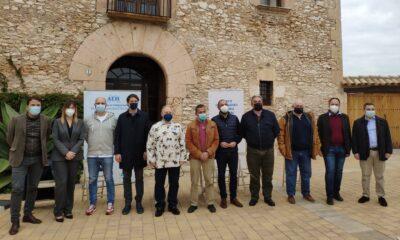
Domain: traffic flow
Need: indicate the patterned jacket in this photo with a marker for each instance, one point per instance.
(166, 145)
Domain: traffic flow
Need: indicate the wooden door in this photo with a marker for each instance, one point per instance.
(387, 106)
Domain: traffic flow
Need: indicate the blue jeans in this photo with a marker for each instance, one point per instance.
(96, 165)
(334, 162)
(303, 160)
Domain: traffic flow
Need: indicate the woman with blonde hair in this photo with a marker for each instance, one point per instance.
(68, 136)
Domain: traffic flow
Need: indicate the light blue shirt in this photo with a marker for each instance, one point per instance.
(371, 127)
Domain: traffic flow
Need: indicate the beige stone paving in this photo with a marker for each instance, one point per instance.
(347, 220)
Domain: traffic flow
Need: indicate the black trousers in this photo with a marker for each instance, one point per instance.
(128, 185)
(229, 159)
(159, 190)
(31, 169)
(64, 175)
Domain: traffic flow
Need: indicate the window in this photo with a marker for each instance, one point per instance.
(272, 3)
(266, 90)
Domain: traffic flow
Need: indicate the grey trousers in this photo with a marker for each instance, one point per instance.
(64, 175)
(30, 169)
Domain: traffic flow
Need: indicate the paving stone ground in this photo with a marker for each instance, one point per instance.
(345, 220)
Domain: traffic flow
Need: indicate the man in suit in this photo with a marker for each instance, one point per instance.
(27, 136)
(130, 140)
(372, 145)
(335, 136)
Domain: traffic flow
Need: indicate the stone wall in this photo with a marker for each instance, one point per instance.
(231, 43)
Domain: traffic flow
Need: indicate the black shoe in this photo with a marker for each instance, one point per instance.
(363, 199)
(211, 208)
(382, 202)
(126, 210)
(270, 202)
(59, 219)
(329, 201)
(139, 208)
(69, 215)
(253, 202)
(192, 209)
(31, 219)
(174, 210)
(159, 212)
(339, 198)
(14, 229)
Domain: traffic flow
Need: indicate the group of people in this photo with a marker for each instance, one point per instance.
(134, 143)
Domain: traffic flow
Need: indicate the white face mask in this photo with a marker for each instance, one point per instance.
(370, 113)
(70, 112)
(224, 109)
(334, 108)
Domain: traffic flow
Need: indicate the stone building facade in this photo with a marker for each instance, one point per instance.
(69, 46)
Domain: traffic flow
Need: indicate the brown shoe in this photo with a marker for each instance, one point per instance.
(14, 229)
(291, 200)
(31, 219)
(236, 202)
(309, 198)
(223, 203)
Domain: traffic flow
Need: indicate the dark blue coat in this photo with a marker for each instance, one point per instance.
(229, 131)
(259, 134)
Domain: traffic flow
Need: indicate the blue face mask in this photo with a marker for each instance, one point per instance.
(100, 108)
(202, 117)
(168, 117)
(35, 110)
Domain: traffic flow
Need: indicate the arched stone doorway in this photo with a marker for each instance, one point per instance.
(143, 74)
(102, 48)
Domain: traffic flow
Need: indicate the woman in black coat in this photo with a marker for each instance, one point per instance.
(68, 137)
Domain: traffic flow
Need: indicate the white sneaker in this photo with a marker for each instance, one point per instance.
(91, 210)
(110, 209)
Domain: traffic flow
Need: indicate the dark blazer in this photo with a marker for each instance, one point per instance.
(63, 143)
(130, 139)
(361, 138)
(228, 130)
(259, 134)
(324, 132)
(16, 137)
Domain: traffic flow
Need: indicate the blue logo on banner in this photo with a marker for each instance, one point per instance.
(113, 99)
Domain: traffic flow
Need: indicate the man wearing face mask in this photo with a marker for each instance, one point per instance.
(227, 152)
(27, 136)
(100, 139)
(335, 136)
(298, 143)
(130, 140)
(166, 152)
(260, 128)
(202, 141)
(372, 145)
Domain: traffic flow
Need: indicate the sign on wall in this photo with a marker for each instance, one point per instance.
(235, 99)
(116, 103)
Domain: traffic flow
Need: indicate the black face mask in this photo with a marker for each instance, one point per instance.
(298, 110)
(133, 106)
(258, 106)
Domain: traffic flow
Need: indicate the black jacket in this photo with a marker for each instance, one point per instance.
(324, 132)
(131, 138)
(361, 138)
(228, 130)
(259, 134)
